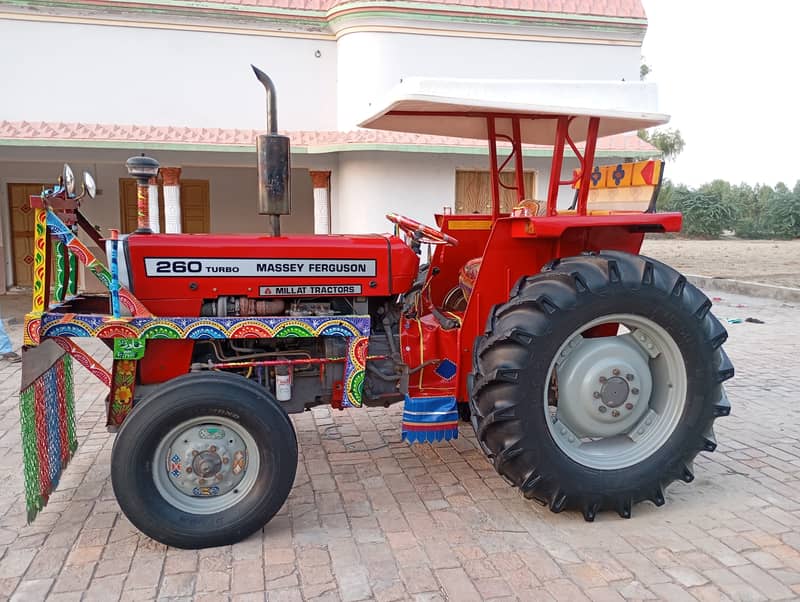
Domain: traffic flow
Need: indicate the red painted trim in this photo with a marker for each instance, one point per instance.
(555, 166)
(554, 227)
(586, 165)
(519, 159)
(288, 362)
(495, 178)
(84, 359)
(430, 426)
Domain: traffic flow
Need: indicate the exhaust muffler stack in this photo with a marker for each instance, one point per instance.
(274, 167)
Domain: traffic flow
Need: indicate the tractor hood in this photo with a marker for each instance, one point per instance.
(202, 266)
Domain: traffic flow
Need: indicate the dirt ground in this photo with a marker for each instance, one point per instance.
(766, 261)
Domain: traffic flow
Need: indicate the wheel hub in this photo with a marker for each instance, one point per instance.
(604, 386)
(614, 392)
(206, 464)
(206, 460)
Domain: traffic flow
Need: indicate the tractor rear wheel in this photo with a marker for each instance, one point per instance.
(205, 460)
(598, 382)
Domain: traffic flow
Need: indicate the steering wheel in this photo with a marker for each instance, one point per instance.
(430, 235)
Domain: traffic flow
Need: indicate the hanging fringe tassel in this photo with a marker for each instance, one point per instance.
(430, 419)
(47, 420)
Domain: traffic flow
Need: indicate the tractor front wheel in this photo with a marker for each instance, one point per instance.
(205, 460)
(598, 382)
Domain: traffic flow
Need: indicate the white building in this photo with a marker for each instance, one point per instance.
(76, 76)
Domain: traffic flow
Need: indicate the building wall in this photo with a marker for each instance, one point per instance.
(370, 64)
(203, 79)
(162, 77)
(141, 75)
(234, 204)
(232, 193)
(418, 185)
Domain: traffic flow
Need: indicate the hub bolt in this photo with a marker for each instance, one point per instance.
(213, 448)
(603, 379)
(225, 460)
(635, 391)
(615, 413)
(615, 371)
(602, 409)
(629, 406)
(188, 469)
(629, 376)
(596, 394)
(220, 476)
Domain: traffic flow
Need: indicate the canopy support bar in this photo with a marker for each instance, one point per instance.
(495, 179)
(555, 166)
(519, 159)
(586, 165)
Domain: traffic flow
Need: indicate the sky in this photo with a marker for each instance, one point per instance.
(727, 72)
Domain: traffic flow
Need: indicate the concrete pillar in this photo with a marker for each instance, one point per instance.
(171, 177)
(152, 200)
(321, 181)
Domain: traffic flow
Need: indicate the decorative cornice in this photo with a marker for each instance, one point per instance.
(432, 18)
(299, 149)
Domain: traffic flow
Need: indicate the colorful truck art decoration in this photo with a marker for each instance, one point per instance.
(47, 399)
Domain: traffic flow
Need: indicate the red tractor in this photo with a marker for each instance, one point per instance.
(591, 375)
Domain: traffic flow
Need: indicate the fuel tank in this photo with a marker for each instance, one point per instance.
(173, 273)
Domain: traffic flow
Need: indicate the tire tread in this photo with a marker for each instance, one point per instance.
(500, 356)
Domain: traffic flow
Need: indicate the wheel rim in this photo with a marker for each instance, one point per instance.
(613, 401)
(206, 465)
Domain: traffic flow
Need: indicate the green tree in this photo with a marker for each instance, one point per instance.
(782, 212)
(705, 214)
(668, 141)
(669, 195)
(758, 211)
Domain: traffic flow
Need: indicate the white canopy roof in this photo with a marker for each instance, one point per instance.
(621, 107)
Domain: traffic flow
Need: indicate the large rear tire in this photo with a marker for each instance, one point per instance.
(578, 412)
(205, 460)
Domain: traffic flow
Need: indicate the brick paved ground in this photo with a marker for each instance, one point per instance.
(371, 518)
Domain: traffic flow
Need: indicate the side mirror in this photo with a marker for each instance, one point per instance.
(68, 180)
(89, 186)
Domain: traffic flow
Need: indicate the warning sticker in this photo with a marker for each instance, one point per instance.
(311, 290)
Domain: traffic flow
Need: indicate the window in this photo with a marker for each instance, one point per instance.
(473, 194)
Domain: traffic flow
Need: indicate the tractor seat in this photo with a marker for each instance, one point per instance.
(469, 271)
(468, 274)
(529, 208)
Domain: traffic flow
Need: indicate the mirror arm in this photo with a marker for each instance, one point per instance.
(90, 230)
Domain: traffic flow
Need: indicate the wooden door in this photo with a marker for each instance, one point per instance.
(195, 211)
(473, 193)
(195, 206)
(127, 205)
(22, 230)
